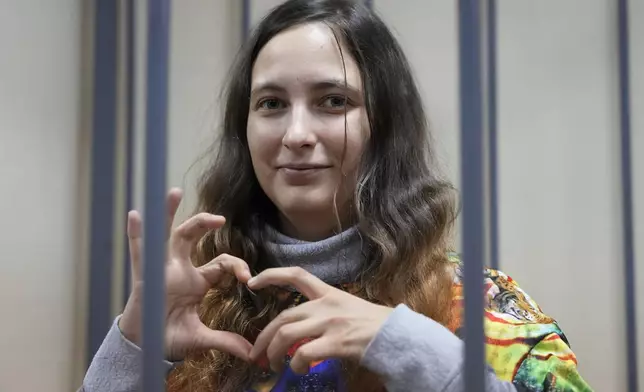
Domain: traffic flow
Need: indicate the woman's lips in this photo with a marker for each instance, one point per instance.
(300, 175)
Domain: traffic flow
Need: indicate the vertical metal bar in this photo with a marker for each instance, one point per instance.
(472, 164)
(492, 132)
(245, 22)
(627, 195)
(103, 172)
(155, 195)
(129, 148)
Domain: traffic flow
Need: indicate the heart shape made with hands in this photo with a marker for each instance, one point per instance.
(340, 324)
(332, 323)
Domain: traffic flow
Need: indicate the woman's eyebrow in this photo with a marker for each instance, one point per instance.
(266, 86)
(332, 83)
(323, 84)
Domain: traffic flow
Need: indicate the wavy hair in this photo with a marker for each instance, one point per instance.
(403, 208)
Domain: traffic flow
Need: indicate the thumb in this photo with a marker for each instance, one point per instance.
(228, 342)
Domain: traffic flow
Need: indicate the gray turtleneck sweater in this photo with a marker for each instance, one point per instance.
(411, 352)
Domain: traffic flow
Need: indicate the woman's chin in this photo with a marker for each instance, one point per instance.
(302, 200)
(307, 206)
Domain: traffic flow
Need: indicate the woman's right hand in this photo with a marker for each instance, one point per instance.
(185, 288)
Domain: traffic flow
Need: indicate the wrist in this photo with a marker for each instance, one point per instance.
(128, 331)
(129, 322)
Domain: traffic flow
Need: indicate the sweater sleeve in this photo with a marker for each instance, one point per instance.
(414, 353)
(116, 367)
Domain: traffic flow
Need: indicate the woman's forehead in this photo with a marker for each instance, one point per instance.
(306, 54)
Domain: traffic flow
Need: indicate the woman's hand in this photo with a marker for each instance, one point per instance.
(185, 286)
(339, 324)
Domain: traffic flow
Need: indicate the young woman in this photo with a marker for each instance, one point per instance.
(320, 257)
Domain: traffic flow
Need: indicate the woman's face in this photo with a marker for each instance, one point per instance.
(297, 128)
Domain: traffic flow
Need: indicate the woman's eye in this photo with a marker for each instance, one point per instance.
(335, 102)
(270, 104)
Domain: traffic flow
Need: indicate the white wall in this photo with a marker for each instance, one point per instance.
(205, 36)
(39, 169)
(427, 32)
(559, 173)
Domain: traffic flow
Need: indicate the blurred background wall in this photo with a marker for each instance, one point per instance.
(42, 145)
(558, 144)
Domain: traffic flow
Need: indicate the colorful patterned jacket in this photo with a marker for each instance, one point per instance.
(523, 345)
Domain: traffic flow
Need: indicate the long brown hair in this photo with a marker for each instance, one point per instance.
(404, 210)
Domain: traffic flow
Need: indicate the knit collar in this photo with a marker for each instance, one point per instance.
(335, 260)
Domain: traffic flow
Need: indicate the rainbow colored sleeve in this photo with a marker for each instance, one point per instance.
(523, 345)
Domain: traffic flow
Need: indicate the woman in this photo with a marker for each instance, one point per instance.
(330, 247)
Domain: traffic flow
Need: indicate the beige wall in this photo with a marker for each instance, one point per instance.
(40, 152)
(205, 36)
(558, 156)
(559, 173)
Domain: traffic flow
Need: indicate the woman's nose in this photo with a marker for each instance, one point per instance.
(299, 130)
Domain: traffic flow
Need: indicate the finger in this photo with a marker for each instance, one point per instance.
(185, 236)
(289, 316)
(288, 336)
(134, 239)
(173, 201)
(313, 351)
(228, 342)
(223, 265)
(303, 281)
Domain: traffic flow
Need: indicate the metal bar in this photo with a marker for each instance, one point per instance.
(472, 164)
(492, 134)
(155, 196)
(627, 195)
(129, 152)
(103, 172)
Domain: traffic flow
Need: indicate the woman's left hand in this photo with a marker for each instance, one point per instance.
(340, 325)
